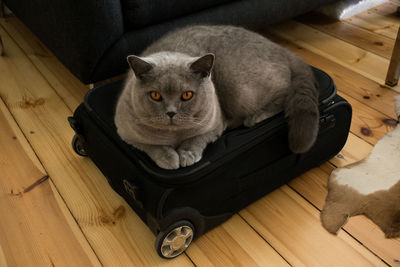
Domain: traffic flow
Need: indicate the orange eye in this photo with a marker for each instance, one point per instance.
(155, 96)
(187, 95)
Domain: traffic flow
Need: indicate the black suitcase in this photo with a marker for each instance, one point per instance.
(243, 165)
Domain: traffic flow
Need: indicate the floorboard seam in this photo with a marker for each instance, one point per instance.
(34, 65)
(344, 40)
(49, 177)
(287, 261)
(342, 228)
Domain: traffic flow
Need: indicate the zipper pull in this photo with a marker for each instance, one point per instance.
(326, 122)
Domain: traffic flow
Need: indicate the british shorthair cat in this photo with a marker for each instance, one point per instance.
(188, 87)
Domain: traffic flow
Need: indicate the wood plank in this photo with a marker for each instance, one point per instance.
(354, 58)
(292, 226)
(354, 150)
(37, 220)
(233, 243)
(3, 261)
(380, 24)
(310, 185)
(347, 81)
(122, 240)
(388, 8)
(368, 123)
(58, 76)
(313, 187)
(371, 236)
(364, 39)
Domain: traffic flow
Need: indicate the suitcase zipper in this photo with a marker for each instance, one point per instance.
(327, 120)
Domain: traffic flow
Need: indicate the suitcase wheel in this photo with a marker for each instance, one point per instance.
(175, 239)
(78, 144)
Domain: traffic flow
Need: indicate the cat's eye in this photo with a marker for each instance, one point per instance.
(156, 96)
(187, 95)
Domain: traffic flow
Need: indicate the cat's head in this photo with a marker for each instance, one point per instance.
(172, 91)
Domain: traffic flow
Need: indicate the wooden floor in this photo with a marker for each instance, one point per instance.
(71, 217)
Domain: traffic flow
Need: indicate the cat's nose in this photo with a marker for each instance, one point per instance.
(171, 114)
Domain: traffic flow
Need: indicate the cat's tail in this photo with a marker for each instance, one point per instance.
(301, 107)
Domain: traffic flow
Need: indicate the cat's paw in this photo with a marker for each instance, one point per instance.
(188, 157)
(169, 159)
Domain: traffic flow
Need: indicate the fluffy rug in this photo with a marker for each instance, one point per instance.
(347, 8)
(370, 187)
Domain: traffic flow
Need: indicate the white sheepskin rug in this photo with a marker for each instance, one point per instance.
(370, 187)
(347, 8)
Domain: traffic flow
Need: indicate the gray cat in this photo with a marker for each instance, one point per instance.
(192, 84)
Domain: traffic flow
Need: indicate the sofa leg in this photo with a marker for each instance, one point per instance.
(1, 47)
(393, 73)
(2, 9)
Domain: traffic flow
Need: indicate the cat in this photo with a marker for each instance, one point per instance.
(192, 84)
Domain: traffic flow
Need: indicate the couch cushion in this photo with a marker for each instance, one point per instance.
(139, 13)
(252, 14)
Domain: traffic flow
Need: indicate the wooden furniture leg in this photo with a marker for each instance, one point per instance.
(1, 47)
(2, 9)
(393, 73)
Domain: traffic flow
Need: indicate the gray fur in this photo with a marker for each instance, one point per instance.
(251, 79)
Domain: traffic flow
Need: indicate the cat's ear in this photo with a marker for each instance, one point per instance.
(203, 65)
(139, 66)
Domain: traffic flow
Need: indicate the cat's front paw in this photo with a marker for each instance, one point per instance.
(188, 157)
(169, 159)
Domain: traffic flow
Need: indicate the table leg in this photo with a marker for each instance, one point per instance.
(393, 73)
(1, 47)
(2, 9)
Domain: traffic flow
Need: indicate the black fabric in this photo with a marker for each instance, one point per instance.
(139, 13)
(242, 165)
(252, 14)
(91, 40)
(77, 32)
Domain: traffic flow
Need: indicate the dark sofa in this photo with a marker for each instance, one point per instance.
(93, 37)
